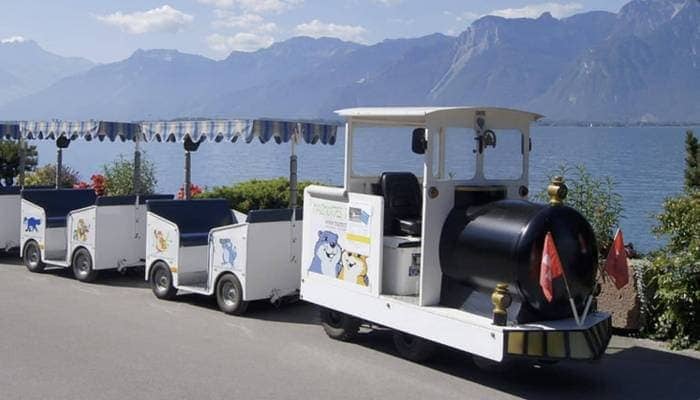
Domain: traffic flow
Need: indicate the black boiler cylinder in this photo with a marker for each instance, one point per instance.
(502, 242)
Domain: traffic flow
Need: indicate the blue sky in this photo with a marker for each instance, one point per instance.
(110, 30)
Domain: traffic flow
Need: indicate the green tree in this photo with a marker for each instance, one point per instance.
(46, 176)
(9, 161)
(256, 194)
(692, 161)
(595, 198)
(119, 175)
(672, 282)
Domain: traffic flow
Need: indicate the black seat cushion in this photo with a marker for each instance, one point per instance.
(194, 218)
(194, 239)
(402, 203)
(130, 200)
(273, 215)
(57, 203)
(9, 190)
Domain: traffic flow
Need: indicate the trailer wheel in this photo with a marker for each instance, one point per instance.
(32, 257)
(412, 347)
(229, 295)
(82, 266)
(162, 281)
(338, 325)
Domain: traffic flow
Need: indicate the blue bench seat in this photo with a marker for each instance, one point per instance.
(194, 218)
(57, 203)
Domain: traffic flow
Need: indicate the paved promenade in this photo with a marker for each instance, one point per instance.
(61, 339)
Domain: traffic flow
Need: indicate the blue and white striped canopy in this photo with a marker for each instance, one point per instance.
(87, 130)
(9, 131)
(232, 130)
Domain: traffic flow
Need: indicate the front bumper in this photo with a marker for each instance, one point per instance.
(587, 343)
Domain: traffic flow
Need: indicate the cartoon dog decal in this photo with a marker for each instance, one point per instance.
(81, 231)
(229, 253)
(31, 224)
(162, 242)
(353, 268)
(326, 255)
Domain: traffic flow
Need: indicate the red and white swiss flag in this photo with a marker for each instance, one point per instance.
(550, 268)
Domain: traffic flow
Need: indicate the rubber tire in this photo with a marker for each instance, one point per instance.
(161, 272)
(338, 325)
(82, 275)
(412, 347)
(234, 305)
(31, 250)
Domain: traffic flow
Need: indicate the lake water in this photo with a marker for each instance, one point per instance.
(646, 163)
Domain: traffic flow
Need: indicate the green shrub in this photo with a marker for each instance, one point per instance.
(119, 175)
(257, 194)
(9, 161)
(595, 198)
(672, 282)
(46, 176)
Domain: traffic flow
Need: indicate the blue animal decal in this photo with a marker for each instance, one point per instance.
(326, 255)
(228, 252)
(31, 224)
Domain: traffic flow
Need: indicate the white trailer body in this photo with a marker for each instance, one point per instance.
(10, 206)
(352, 266)
(262, 253)
(112, 231)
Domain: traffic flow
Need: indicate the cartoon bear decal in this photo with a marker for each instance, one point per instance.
(81, 231)
(31, 224)
(326, 255)
(228, 252)
(353, 268)
(162, 241)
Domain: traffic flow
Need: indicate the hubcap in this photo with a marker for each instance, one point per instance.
(229, 294)
(33, 256)
(162, 281)
(83, 265)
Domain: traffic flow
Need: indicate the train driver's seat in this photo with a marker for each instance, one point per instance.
(402, 203)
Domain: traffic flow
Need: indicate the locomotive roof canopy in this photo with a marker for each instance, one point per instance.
(446, 116)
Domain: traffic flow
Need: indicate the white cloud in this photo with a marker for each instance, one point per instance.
(317, 28)
(161, 19)
(243, 41)
(389, 3)
(558, 10)
(255, 6)
(249, 22)
(13, 39)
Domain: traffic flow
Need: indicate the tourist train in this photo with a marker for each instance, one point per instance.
(452, 253)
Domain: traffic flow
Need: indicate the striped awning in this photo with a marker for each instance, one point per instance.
(233, 130)
(87, 130)
(9, 131)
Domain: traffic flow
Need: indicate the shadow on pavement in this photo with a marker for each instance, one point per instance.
(296, 312)
(624, 373)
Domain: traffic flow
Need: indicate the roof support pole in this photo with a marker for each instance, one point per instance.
(22, 160)
(59, 166)
(188, 175)
(293, 180)
(137, 164)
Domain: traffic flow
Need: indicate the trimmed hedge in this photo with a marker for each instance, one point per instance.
(257, 194)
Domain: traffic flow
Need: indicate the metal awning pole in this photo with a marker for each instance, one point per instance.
(188, 175)
(22, 162)
(137, 164)
(293, 193)
(59, 166)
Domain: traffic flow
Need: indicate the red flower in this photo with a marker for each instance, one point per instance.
(194, 191)
(99, 184)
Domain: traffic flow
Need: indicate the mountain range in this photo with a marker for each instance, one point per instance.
(641, 64)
